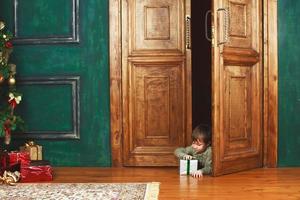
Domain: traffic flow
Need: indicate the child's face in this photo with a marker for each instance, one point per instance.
(199, 145)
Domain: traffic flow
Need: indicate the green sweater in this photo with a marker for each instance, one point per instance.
(204, 159)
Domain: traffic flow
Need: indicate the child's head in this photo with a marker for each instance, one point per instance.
(201, 137)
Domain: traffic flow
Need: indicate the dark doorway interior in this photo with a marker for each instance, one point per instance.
(201, 63)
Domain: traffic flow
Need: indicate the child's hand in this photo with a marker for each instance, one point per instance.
(197, 174)
(187, 157)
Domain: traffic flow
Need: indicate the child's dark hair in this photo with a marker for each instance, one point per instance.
(204, 131)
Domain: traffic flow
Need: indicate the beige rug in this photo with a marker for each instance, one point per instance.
(76, 191)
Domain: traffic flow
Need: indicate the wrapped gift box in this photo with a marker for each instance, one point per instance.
(18, 158)
(12, 161)
(4, 161)
(188, 166)
(37, 171)
(34, 150)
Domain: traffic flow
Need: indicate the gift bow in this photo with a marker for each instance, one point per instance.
(10, 178)
(14, 100)
(30, 144)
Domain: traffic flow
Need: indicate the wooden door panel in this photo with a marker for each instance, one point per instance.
(237, 118)
(239, 101)
(238, 109)
(156, 120)
(242, 27)
(157, 96)
(154, 81)
(156, 26)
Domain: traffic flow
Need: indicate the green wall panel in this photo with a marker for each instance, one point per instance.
(87, 59)
(44, 17)
(289, 82)
(58, 114)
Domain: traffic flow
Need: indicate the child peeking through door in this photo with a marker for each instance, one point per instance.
(199, 150)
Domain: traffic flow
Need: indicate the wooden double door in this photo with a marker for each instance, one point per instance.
(156, 82)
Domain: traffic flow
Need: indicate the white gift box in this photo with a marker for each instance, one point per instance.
(187, 167)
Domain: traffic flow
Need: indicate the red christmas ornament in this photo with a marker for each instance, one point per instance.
(8, 44)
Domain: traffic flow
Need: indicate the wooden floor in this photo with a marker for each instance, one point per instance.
(282, 183)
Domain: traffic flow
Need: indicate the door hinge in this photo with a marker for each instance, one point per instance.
(212, 35)
(188, 41)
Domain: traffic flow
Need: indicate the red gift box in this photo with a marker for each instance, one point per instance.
(36, 173)
(21, 158)
(4, 161)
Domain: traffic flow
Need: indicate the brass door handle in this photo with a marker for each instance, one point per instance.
(206, 26)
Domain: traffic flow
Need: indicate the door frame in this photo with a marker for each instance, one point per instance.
(270, 82)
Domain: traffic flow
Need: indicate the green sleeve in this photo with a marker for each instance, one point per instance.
(207, 169)
(181, 151)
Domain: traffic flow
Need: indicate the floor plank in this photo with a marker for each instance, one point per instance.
(280, 183)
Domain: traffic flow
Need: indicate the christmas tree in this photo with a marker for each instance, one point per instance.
(10, 97)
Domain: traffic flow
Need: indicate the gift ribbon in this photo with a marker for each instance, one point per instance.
(188, 167)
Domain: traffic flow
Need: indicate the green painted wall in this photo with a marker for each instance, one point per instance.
(49, 107)
(289, 82)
